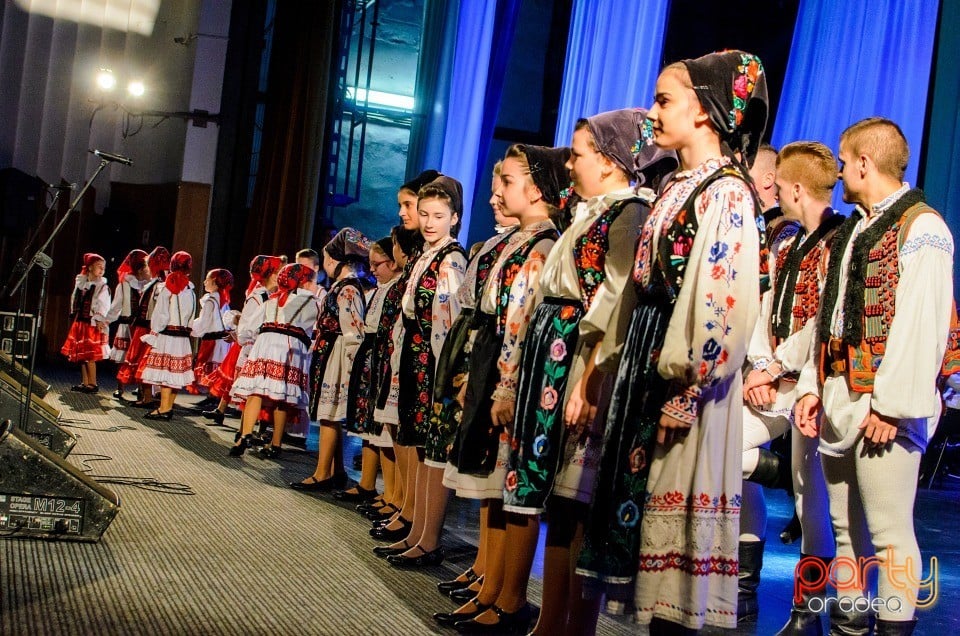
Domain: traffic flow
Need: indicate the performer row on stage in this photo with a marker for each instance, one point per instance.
(616, 359)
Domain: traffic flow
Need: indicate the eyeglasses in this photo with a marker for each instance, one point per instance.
(376, 264)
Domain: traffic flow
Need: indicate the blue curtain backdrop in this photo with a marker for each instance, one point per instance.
(851, 60)
(613, 58)
(484, 36)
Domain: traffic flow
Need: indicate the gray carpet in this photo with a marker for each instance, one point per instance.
(242, 554)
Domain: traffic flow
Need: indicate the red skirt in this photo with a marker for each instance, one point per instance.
(127, 371)
(203, 367)
(85, 343)
(223, 376)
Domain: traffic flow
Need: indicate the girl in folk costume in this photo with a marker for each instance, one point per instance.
(453, 369)
(211, 327)
(339, 335)
(408, 244)
(158, 262)
(263, 280)
(529, 190)
(170, 362)
(88, 336)
(132, 275)
(674, 427)
(365, 383)
(276, 373)
(429, 308)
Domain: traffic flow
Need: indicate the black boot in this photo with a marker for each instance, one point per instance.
(751, 561)
(804, 621)
(895, 628)
(772, 471)
(848, 623)
(661, 627)
(792, 531)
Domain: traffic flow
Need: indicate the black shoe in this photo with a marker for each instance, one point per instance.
(314, 484)
(215, 416)
(157, 415)
(464, 594)
(269, 452)
(792, 531)
(384, 551)
(423, 560)
(449, 619)
(90, 388)
(242, 443)
(384, 513)
(361, 494)
(232, 413)
(445, 587)
(151, 404)
(206, 403)
(751, 562)
(383, 534)
(507, 622)
(79, 388)
(118, 394)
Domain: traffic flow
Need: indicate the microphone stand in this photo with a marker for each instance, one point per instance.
(44, 262)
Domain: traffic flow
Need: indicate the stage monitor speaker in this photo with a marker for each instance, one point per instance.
(44, 497)
(41, 421)
(19, 373)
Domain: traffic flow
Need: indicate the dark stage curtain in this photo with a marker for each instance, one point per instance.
(286, 187)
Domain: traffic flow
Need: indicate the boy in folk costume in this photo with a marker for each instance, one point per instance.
(212, 329)
(263, 280)
(169, 364)
(87, 340)
(806, 173)
(132, 275)
(882, 334)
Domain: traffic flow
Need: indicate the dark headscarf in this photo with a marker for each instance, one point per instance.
(179, 276)
(159, 261)
(549, 172)
(732, 88)
(132, 264)
(223, 279)
(348, 245)
(422, 179)
(615, 133)
(651, 163)
(453, 189)
(386, 245)
(291, 277)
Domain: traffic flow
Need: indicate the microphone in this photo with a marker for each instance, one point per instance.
(109, 156)
(61, 186)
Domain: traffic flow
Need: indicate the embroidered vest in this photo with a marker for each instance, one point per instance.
(328, 322)
(485, 262)
(797, 290)
(882, 275)
(426, 288)
(590, 251)
(510, 269)
(82, 302)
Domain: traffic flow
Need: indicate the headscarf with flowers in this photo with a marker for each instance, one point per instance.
(261, 268)
(348, 245)
(732, 88)
(159, 261)
(179, 276)
(223, 279)
(291, 277)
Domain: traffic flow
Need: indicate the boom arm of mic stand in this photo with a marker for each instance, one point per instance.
(56, 230)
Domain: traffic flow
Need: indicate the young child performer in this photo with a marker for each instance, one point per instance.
(263, 281)
(211, 328)
(276, 372)
(169, 364)
(132, 275)
(158, 261)
(87, 340)
(429, 308)
(339, 335)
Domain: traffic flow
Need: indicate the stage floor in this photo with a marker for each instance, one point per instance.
(238, 552)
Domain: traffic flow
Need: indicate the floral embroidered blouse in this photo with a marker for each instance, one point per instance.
(521, 303)
(446, 304)
(713, 279)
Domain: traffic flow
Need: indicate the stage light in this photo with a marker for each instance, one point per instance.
(380, 99)
(105, 79)
(136, 88)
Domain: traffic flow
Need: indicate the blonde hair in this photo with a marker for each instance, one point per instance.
(882, 140)
(498, 168)
(376, 249)
(810, 163)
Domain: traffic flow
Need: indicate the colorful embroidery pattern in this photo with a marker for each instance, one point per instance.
(510, 269)
(590, 253)
(750, 69)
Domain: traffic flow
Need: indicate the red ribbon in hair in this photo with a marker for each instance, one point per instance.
(223, 279)
(132, 264)
(179, 276)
